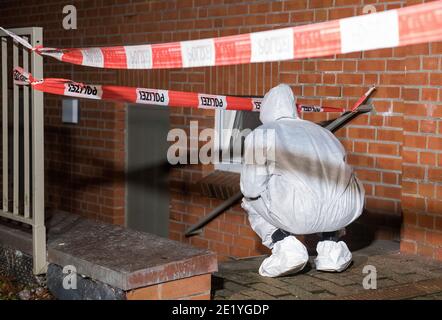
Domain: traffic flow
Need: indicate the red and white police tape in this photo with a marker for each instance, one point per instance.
(170, 98)
(393, 28)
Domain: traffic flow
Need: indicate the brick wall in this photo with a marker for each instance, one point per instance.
(395, 151)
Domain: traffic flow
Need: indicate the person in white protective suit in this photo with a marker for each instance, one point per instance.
(306, 187)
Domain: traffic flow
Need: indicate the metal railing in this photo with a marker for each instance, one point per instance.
(23, 134)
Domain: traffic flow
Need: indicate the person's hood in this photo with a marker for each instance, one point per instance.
(278, 103)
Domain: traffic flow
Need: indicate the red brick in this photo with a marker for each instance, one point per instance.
(411, 125)
(409, 217)
(368, 175)
(413, 203)
(435, 174)
(425, 221)
(413, 172)
(410, 94)
(361, 133)
(409, 187)
(409, 156)
(389, 163)
(408, 247)
(329, 91)
(424, 250)
(371, 65)
(383, 148)
(380, 205)
(429, 94)
(361, 161)
(320, 3)
(434, 206)
(414, 234)
(390, 177)
(426, 190)
(329, 65)
(434, 143)
(388, 192)
(414, 141)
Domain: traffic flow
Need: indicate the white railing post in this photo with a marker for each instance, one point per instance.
(29, 207)
(38, 195)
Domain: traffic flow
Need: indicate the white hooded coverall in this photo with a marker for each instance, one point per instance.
(307, 187)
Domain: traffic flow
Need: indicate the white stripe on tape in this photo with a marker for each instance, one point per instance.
(272, 45)
(17, 38)
(311, 108)
(83, 91)
(371, 31)
(139, 57)
(198, 53)
(93, 57)
(21, 77)
(52, 53)
(207, 101)
(150, 96)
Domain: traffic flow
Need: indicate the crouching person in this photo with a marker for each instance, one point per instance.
(295, 181)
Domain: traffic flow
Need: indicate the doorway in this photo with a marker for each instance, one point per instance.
(147, 187)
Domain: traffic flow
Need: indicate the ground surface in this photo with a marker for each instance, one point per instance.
(12, 290)
(399, 276)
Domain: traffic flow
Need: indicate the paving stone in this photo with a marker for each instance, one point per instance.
(435, 273)
(299, 293)
(273, 291)
(414, 277)
(407, 278)
(356, 278)
(323, 295)
(385, 283)
(335, 289)
(437, 296)
(241, 278)
(398, 277)
(406, 291)
(275, 282)
(257, 295)
(238, 296)
(305, 284)
(224, 293)
(337, 278)
(234, 287)
(289, 297)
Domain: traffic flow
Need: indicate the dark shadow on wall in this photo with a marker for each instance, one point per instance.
(72, 171)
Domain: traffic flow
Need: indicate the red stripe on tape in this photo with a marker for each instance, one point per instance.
(73, 56)
(233, 50)
(317, 40)
(166, 55)
(121, 94)
(419, 24)
(237, 103)
(114, 58)
(183, 99)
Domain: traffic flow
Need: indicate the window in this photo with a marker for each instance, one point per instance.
(231, 128)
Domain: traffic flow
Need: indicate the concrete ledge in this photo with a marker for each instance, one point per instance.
(121, 258)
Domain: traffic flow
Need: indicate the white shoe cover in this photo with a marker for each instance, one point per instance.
(288, 256)
(332, 256)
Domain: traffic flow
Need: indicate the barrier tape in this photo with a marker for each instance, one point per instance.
(393, 28)
(169, 98)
